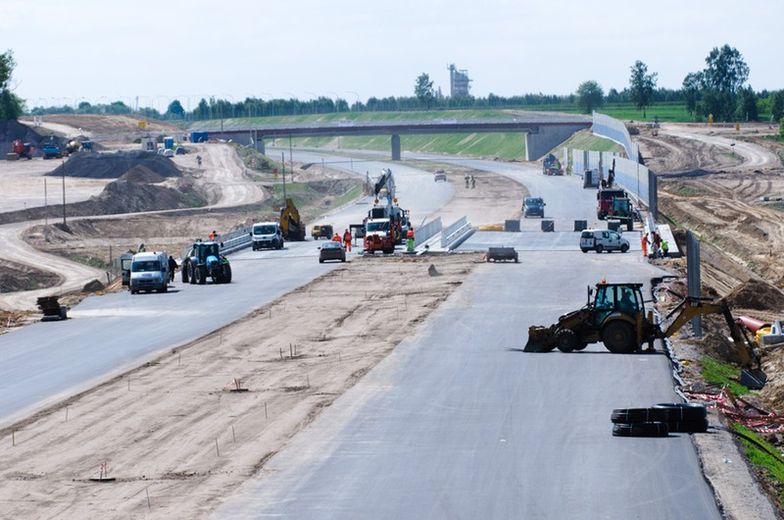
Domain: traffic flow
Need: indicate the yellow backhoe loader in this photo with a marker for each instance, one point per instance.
(290, 223)
(617, 317)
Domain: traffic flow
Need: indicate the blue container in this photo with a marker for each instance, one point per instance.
(199, 137)
(168, 142)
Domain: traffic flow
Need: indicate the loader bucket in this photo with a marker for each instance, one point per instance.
(753, 378)
(540, 339)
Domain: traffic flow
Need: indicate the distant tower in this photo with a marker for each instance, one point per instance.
(458, 82)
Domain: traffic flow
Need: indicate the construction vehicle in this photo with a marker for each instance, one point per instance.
(73, 146)
(203, 261)
(386, 223)
(617, 317)
(290, 223)
(20, 149)
(614, 203)
(322, 231)
(51, 150)
(551, 165)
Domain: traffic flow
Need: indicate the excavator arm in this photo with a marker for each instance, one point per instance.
(691, 307)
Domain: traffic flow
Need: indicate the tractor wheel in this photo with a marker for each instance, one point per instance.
(624, 248)
(192, 274)
(184, 272)
(584, 250)
(619, 338)
(630, 224)
(201, 274)
(599, 248)
(566, 340)
(226, 273)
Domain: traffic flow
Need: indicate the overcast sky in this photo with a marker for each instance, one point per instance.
(102, 50)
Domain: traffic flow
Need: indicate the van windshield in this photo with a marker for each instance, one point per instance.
(142, 266)
(264, 230)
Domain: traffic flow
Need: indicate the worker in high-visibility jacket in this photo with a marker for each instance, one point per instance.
(336, 238)
(347, 240)
(410, 240)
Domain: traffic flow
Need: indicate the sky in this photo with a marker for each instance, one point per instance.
(104, 50)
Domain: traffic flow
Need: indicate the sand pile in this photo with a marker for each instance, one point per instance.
(115, 165)
(142, 174)
(757, 295)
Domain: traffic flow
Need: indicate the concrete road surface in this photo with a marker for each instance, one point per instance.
(458, 422)
(43, 362)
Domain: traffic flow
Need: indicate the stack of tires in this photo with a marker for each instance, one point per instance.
(659, 420)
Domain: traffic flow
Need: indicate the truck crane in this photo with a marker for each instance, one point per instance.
(386, 223)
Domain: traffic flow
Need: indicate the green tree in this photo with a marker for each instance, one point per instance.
(777, 107)
(641, 86)
(725, 73)
(423, 90)
(692, 85)
(589, 96)
(175, 109)
(746, 109)
(10, 105)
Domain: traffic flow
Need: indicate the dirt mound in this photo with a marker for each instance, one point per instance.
(757, 295)
(115, 165)
(142, 174)
(18, 277)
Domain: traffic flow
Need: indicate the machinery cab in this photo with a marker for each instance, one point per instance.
(604, 201)
(624, 299)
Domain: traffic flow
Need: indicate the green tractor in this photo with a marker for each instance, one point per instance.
(205, 261)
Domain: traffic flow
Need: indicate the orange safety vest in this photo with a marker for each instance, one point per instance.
(336, 238)
(410, 233)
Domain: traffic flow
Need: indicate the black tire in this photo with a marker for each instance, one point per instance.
(684, 411)
(581, 346)
(184, 272)
(624, 248)
(226, 273)
(639, 415)
(566, 340)
(192, 274)
(583, 250)
(598, 248)
(644, 429)
(321, 260)
(165, 288)
(619, 338)
(201, 274)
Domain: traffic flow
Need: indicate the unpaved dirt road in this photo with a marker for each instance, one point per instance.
(173, 428)
(223, 175)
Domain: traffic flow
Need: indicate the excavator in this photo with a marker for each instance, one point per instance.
(291, 225)
(617, 317)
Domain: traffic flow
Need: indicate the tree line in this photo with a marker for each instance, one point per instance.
(719, 91)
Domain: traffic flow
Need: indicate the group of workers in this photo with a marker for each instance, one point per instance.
(346, 240)
(659, 246)
(470, 180)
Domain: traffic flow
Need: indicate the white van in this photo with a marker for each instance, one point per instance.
(602, 240)
(150, 272)
(266, 235)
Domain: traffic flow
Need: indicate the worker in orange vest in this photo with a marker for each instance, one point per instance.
(410, 240)
(347, 239)
(644, 244)
(336, 238)
(212, 235)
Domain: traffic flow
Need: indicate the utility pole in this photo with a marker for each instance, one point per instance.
(291, 158)
(46, 206)
(63, 165)
(283, 163)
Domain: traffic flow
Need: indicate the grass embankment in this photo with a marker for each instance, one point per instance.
(717, 373)
(315, 197)
(765, 457)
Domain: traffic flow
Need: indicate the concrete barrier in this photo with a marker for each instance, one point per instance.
(456, 233)
(614, 225)
(512, 226)
(427, 231)
(548, 226)
(580, 225)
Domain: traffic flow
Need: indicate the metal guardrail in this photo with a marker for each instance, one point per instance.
(456, 233)
(236, 240)
(427, 231)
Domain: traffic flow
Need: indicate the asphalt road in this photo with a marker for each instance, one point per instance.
(44, 362)
(459, 423)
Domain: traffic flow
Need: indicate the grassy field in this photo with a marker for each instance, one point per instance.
(718, 373)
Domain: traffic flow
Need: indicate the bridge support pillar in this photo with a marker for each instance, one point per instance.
(395, 147)
(546, 137)
(258, 142)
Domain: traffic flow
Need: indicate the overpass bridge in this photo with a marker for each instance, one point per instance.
(543, 131)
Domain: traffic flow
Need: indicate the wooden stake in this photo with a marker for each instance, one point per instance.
(129, 383)
(66, 414)
(179, 358)
(265, 411)
(233, 435)
(147, 490)
(13, 437)
(307, 378)
(217, 450)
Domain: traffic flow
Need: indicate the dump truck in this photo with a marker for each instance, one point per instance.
(617, 317)
(51, 150)
(290, 223)
(614, 203)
